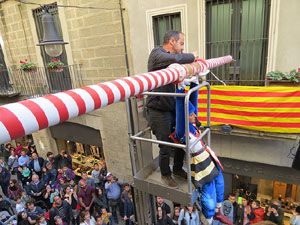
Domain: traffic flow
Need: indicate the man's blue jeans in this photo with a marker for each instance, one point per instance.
(114, 212)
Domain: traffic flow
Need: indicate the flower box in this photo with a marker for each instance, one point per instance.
(277, 78)
(30, 70)
(56, 69)
(282, 83)
(55, 65)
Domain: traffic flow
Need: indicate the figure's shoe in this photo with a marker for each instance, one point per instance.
(180, 173)
(168, 180)
(223, 219)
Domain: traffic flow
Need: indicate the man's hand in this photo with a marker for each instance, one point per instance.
(269, 211)
(195, 54)
(125, 218)
(87, 208)
(274, 211)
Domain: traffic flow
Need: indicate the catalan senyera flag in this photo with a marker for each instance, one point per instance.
(269, 109)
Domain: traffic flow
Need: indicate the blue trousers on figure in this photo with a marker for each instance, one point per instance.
(211, 194)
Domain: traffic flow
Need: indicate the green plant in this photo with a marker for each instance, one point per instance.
(276, 75)
(55, 63)
(25, 65)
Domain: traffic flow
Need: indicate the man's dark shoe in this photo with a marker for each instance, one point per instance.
(223, 219)
(180, 173)
(168, 180)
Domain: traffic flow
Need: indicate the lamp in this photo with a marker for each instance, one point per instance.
(52, 42)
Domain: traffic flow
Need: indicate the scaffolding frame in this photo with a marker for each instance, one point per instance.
(145, 189)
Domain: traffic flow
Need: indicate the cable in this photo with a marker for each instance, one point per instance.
(292, 155)
(24, 32)
(218, 78)
(66, 6)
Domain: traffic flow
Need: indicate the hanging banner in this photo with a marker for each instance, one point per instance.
(269, 109)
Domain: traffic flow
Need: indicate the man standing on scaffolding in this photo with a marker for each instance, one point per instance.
(161, 109)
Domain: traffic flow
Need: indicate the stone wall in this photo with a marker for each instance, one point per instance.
(96, 39)
(16, 33)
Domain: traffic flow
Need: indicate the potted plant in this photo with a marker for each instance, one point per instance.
(278, 78)
(1, 67)
(55, 65)
(28, 67)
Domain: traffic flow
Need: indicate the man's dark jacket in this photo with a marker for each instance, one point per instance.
(41, 163)
(160, 59)
(61, 161)
(67, 212)
(128, 208)
(36, 189)
(275, 219)
(4, 176)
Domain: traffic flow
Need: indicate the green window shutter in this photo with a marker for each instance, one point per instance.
(164, 23)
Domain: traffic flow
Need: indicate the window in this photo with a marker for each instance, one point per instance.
(164, 23)
(58, 81)
(5, 86)
(238, 28)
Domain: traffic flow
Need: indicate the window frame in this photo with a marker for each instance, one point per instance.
(181, 8)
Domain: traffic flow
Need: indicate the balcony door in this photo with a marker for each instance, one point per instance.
(58, 81)
(238, 28)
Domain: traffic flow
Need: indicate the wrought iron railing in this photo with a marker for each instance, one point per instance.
(39, 82)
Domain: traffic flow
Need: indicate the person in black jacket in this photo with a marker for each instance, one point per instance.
(62, 159)
(36, 188)
(162, 218)
(62, 209)
(161, 109)
(4, 179)
(129, 209)
(36, 164)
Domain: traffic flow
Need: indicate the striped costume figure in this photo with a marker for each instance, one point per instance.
(206, 169)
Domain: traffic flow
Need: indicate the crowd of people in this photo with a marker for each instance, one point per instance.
(239, 211)
(46, 190)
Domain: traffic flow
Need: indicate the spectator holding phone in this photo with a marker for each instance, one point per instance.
(62, 159)
(243, 210)
(274, 213)
(295, 219)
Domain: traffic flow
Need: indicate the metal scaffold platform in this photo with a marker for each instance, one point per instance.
(147, 176)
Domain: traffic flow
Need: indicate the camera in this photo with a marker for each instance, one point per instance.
(115, 178)
(274, 206)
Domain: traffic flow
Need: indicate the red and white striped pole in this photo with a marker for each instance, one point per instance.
(25, 117)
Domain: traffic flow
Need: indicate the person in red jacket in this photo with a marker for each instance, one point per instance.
(257, 213)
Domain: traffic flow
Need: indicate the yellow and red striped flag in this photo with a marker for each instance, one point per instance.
(269, 109)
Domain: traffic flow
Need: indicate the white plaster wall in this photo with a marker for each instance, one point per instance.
(288, 45)
(138, 28)
(271, 152)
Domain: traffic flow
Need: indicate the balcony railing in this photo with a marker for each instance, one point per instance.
(40, 82)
